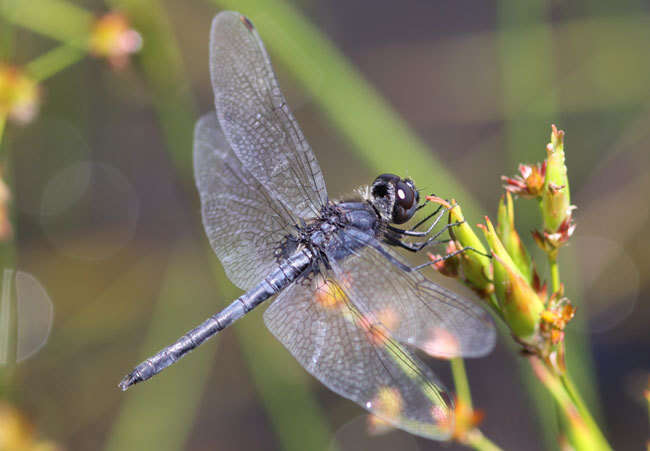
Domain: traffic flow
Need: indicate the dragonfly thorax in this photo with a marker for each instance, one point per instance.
(315, 234)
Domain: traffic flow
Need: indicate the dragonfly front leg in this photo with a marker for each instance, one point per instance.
(445, 257)
(395, 241)
(423, 221)
(417, 247)
(395, 238)
(413, 230)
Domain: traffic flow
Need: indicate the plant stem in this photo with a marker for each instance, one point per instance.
(563, 378)
(8, 333)
(460, 381)
(3, 122)
(161, 63)
(54, 61)
(570, 388)
(584, 433)
(8, 310)
(57, 19)
(555, 272)
(474, 437)
(480, 442)
(8, 341)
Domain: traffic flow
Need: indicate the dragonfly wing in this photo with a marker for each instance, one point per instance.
(256, 119)
(351, 353)
(243, 224)
(416, 310)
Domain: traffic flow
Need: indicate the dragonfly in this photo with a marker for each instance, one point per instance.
(348, 306)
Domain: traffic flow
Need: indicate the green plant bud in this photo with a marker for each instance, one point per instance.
(556, 200)
(476, 267)
(510, 238)
(520, 305)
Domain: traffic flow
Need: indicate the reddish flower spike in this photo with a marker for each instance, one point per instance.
(530, 181)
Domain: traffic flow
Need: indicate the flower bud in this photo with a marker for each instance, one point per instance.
(17, 433)
(550, 242)
(511, 240)
(112, 38)
(518, 300)
(447, 266)
(529, 183)
(19, 95)
(557, 315)
(476, 266)
(465, 420)
(556, 200)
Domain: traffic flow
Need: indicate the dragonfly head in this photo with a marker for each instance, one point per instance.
(395, 198)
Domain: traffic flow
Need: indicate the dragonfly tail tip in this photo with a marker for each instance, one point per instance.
(127, 382)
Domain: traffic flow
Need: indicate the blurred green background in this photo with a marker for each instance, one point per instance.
(454, 94)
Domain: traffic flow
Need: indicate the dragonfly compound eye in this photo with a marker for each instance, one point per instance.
(405, 202)
(395, 198)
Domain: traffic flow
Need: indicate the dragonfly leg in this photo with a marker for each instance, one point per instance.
(445, 257)
(440, 211)
(396, 239)
(417, 247)
(413, 230)
(407, 268)
(423, 221)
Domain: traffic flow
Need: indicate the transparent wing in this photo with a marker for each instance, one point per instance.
(351, 353)
(256, 119)
(415, 310)
(243, 224)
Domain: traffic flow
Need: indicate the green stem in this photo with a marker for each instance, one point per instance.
(8, 311)
(8, 332)
(3, 122)
(162, 65)
(8, 341)
(480, 442)
(583, 432)
(573, 392)
(460, 381)
(57, 19)
(570, 388)
(474, 438)
(565, 380)
(555, 273)
(6, 40)
(54, 61)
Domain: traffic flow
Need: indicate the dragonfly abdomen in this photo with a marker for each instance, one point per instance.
(285, 273)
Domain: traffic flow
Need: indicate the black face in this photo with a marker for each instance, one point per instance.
(395, 198)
